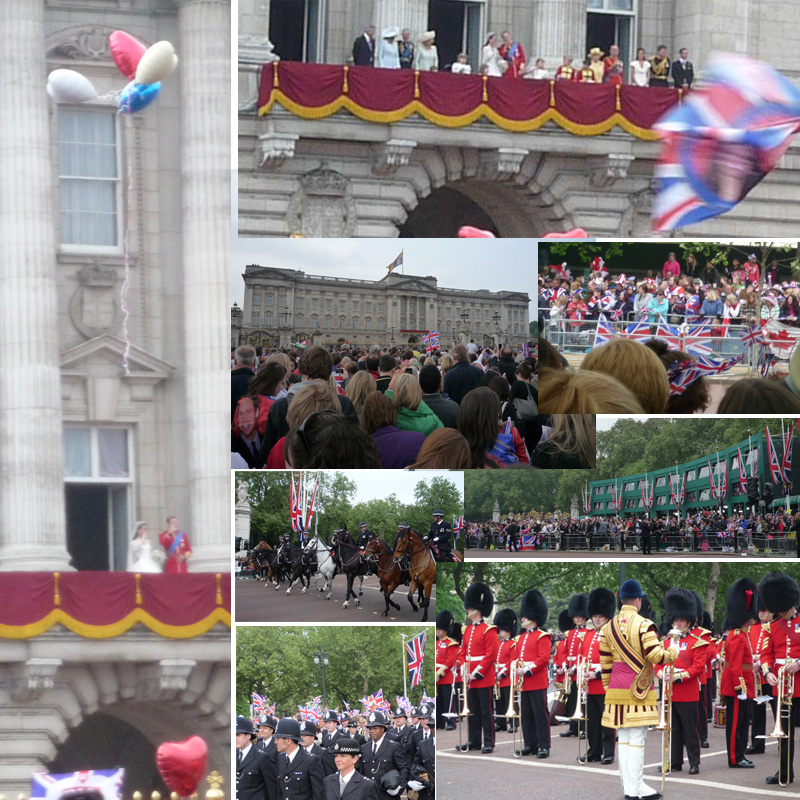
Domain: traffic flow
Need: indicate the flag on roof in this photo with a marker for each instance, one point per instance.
(398, 262)
(415, 655)
(722, 140)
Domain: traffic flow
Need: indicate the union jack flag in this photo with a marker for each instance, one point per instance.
(722, 140)
(637, 330)
(426, 699)
(681, 382)
(696, 340)
(711, 367)
(605, 333)
(742, 472)
(310, 713)
(676, 497)
(616, 496)
(415, 655)
(374, 701)
(458, 526)
(772, 457)
(693, 306)
(720, 488)
(753, 336)
(647, 498)
(786, 461)
(259, 705)
(431, 341)
(670, 334)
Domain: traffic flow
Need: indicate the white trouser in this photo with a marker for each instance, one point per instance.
(630, 756)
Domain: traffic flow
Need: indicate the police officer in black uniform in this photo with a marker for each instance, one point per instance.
(512, 529)
(352, 731)
(300, 775)
(401, 733)
(364, 537)
(405, 561)
(424, 764)
(256, 775)
(266, 739)
(308, 739)
(348, 781)
(440, 534)
(422, 732)
(331, 732)
(382, 756)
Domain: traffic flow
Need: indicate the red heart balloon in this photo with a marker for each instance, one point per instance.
(182, 764)
(127, 52)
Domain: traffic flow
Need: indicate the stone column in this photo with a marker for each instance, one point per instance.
(204, 50)
(32, 519)
(559, 29)
(411, 14)
(243, 513)
(254, 18)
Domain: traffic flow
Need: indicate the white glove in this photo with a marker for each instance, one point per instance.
(394, 792)
(742, 696)
(476, 675)
(416, 786)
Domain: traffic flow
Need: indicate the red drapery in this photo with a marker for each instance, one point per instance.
(316, 91)
(100, 605)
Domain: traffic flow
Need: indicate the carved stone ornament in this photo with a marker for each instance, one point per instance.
(388, 157)
(607, 171)
(94, 307)
(323, 206)
(81, 44)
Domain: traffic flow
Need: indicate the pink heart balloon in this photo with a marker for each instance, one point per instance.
(575, 233)
(468, 232)
(127, 52)
(182, 764)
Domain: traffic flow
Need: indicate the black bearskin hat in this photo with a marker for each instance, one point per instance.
(506, 620)
(601, 601)
(534, 607)
(708, 623)
(479, 595)
(680, 603)
(778, 592)
(577, 606)
(444, 620)
(701, 606)
(565, 622)
(741, 603)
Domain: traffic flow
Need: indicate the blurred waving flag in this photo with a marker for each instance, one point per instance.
(722, 140)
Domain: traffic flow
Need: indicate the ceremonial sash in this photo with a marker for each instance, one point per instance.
(643, 682)
(175, 543)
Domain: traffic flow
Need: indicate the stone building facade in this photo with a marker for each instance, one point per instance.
(343, 176)
(283, 306)
(115, 233)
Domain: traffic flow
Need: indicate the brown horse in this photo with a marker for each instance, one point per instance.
(266, 557)
(422, 568)
(378, 556)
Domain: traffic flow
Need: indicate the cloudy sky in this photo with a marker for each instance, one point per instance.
(373, 484)
(493, 264)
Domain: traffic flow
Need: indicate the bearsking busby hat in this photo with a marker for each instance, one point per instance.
(243, 725)
(708, 623)
(578, 606)
(479, 595)
(308, 728)
(444, 619)
(701, 606)
(288, 728)
(741, 603)
(377, 719)
(347, 747)
(778, 592)
(534, 607)
(601, 601)
(679, 604)
(565, 622)
(506, 620)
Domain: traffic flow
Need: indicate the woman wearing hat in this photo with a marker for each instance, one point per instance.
(426, 57)
(347, 780)
(389, 55)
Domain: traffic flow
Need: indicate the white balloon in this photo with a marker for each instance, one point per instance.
(68, 86)
(157, 63)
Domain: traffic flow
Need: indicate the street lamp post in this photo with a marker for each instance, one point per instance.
(465, 323)
(321, 659)
(392, 330)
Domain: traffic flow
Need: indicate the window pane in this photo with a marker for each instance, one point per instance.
(594, 3)
(620, 5)
(77, 453)
(113, 448)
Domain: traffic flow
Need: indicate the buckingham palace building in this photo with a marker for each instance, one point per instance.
(330, 149)
(284, 306)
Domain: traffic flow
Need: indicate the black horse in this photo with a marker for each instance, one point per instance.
(291, 556)
(351, 563)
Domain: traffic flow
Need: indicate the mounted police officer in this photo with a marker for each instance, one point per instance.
(439, 535)
(405, 561)
(365, 536)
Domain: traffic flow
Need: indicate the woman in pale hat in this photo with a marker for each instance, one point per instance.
(491, 62)
(426, 58)
(389, 55)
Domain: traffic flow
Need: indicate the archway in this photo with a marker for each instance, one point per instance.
(442, 213)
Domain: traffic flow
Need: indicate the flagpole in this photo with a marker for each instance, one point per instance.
(405, 671)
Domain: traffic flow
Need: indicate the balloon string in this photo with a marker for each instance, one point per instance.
(123, 300)
(115, 94)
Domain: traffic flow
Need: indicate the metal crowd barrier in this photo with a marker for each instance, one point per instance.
(569, 336)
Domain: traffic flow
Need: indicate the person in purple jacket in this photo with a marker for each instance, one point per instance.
(397, 448)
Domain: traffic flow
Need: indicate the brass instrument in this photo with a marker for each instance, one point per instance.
(450, 714)
(512, 715)
(719, 709)
(465, 679)
(582, 683)
(783, 714)
(665, 716)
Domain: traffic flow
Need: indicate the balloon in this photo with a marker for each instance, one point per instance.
(136, 96)
(468, 232)
(575, 233)
(68, 86)
(157, 63)
(127, 52)
(182, 764)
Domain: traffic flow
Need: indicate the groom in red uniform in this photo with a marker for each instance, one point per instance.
(176, 543)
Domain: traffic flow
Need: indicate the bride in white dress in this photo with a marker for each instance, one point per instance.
(140, 551)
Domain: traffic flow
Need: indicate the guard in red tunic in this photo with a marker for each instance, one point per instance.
(781, 595)
(688, 667)
(479, 652)
(505, 621)
(600, 740)
(448, 636)
(759, 641)
(176, 543)
(736, 682)
(532, 648)
(578, 612)
(565, 625)
(704, 631)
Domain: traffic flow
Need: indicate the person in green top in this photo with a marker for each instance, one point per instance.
(412, 413)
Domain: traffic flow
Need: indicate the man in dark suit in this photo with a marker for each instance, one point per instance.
(381, 755)
(682, 70)
(300, 775)
(422, 733)
(308, 737)
(364, 48)
(424, 765)
(347, 783)
(462, 377)
(331, 732)
(647, 544)
(401, 732)
(266, 741)
(256, 776)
